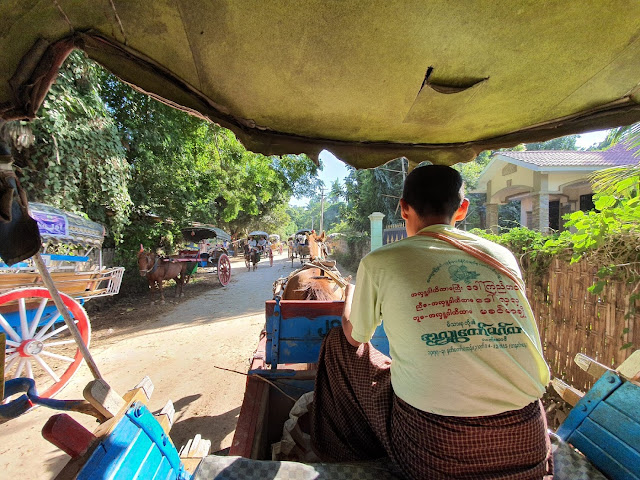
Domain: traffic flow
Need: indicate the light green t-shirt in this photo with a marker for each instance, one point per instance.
(463, 339)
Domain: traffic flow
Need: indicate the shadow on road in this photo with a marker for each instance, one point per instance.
(214, 428)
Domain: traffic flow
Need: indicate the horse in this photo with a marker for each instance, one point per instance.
(251, 257)
(157, 270)
(316, 280)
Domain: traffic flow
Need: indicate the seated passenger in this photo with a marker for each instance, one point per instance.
(460, 396)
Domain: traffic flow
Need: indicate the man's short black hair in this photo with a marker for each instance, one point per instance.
(434, 190)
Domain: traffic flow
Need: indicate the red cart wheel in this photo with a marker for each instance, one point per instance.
(224, 270)
(38, 343)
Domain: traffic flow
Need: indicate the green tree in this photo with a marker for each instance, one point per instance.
(561, 143)
(185, 169)
(368, 191)
(77, 161)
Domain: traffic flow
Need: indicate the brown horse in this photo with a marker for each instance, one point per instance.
(251, 257)
(317, 280)
(157, 270)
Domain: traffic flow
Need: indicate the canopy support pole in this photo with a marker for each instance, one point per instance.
(57, 299)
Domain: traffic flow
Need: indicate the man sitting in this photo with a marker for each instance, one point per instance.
(460, 397)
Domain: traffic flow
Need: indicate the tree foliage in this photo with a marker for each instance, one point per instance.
(146, 169)
(561, 143)
(77, 161)
(374, 190)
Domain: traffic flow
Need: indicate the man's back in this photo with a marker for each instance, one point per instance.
(450, 317)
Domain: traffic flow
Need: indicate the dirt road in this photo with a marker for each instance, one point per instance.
(179, 345)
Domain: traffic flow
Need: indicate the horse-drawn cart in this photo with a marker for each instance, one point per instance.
(209, 254)
(253, 251)
(300, 245)
(38, 342)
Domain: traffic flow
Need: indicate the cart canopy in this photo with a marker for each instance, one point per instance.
(57, 226)
(203, 232)
(258, 233)
(369, 81)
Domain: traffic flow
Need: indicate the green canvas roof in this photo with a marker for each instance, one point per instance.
(369, 81)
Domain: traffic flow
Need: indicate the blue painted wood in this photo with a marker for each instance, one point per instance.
(605, 426)
(621, 425)
(65, 258)
(602, 460)
(625, 399)
(601, 390)
(137, 448)
(295, 333)
(15, 265)
(612, 448)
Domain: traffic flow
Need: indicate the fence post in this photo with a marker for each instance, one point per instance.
(376, 229)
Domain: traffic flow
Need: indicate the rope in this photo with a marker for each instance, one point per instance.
(261, 378)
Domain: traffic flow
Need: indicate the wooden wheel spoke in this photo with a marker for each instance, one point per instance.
(24, 324)
(37, 317)
(43, 330)
(33, 317)
(20, 368)
(46, 368)
(59, 357)
(54, 332)
(55, 344)
(10, 360)
(29, 368)
(9, 330)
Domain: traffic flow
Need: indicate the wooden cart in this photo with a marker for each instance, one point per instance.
(39, 345)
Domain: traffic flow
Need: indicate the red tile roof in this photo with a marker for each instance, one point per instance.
(613, 157)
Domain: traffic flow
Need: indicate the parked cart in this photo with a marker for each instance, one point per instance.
(209, 251)
(39, 345)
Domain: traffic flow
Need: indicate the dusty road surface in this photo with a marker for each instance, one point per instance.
(179, 345)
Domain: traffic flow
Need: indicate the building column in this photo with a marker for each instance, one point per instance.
(540, 213)
(376, 229)
(491, 216)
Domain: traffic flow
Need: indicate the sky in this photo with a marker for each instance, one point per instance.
(332, 169)
(336, 169)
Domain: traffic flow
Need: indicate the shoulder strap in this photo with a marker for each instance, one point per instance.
(477, 253)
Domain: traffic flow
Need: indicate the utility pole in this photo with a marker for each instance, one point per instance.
(321, 209)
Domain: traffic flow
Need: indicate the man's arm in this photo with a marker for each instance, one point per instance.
(346, 313)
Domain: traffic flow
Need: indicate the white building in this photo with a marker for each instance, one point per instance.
(548, 183)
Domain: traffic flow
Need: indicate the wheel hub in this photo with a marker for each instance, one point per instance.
(30, 347)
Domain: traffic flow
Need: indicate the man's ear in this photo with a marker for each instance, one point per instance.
(462, 211)
(403, 208)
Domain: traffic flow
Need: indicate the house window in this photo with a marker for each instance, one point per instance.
(586, 202)
(554, 215)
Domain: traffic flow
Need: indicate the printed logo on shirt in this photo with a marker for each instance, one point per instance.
(460, 273)
(466, 313)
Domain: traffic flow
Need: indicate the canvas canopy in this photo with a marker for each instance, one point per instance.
(60, 227)
(369, 81)
(202, 232)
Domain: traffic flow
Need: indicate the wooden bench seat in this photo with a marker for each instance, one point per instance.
(75, 284)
